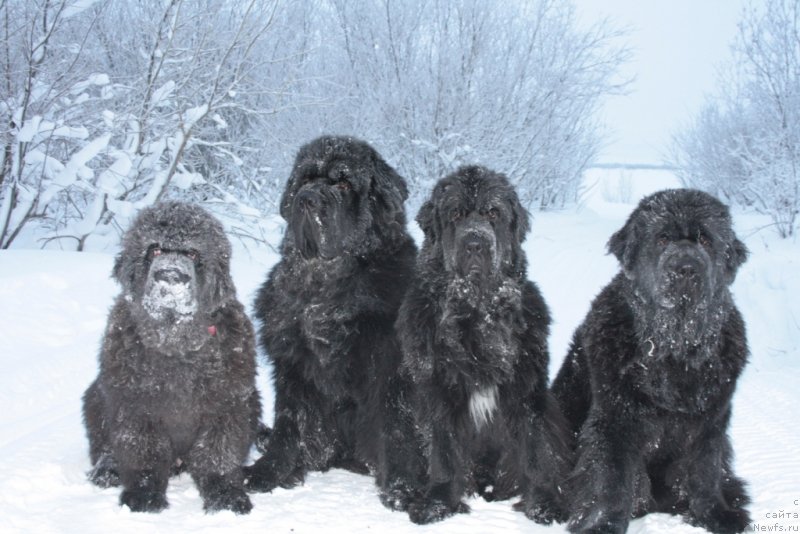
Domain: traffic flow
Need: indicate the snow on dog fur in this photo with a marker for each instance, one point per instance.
(649, 377)
(474, 336)
(326, 315)
(176, 388)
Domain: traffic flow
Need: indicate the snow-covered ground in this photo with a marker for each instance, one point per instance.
(53, 307)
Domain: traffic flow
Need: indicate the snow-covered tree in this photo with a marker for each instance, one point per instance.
(108, 106)
(745, 143)
(48, 122)
(511, 85)
(85, 149)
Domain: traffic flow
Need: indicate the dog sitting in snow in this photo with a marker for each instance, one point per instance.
(326, 317)
(648, 380)
(176, 387)
(474, 335)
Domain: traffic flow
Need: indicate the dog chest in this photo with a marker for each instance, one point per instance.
(482, 405)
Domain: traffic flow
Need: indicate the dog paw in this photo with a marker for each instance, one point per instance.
(262, 438)
(722, 521)
(544, 513)
(599, 521)
(397, 496)
(259, 480)
(233, 499)
(434, 510)
(143, 500)
(104, 477)
(104, 473)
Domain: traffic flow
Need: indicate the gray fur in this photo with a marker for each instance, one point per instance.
(176, 388)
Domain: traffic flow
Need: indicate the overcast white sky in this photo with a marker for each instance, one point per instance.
(677, 47)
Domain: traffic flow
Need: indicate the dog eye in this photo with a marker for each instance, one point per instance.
(491, 214)
(703, 240)
(455, 215)
(662, 240)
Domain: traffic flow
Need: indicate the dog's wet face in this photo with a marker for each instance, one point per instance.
(682, 267)
(325, 211)
(171, 287)
(477, 223)
(686, 268)
(470, 241)
(679, 248)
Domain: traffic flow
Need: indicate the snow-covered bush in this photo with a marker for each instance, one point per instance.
(109, 106)
(744, 145)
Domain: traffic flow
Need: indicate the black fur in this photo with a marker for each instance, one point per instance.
(176, 388)
(472, 328)
(648, 380)
(326, 315)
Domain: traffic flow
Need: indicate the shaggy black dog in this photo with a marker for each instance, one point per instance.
(176, 387)
(326, 316)
(649, 377)
(474, 336)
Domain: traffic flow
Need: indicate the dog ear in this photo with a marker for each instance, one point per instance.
(426, 219)
(735, 255)
(288, 197)
(218, 288)
(390, 190)
(131, 261)
(214, 264)
(123, 271)
(520, 223)
(623, 245)
(303, 164)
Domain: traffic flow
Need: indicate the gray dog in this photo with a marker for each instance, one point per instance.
(176, 387)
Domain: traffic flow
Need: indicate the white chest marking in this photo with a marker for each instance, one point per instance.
(482, 404)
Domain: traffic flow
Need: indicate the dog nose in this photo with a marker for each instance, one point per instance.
(171, 276)
(686, 268)
(307, 199)
(474, 245)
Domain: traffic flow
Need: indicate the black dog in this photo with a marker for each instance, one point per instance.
(649, 377)
(177, 367)
(474, 336)
(326, 314)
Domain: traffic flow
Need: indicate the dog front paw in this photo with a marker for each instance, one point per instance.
(263, 437)
(228, 498)
(721, 520)
(104, 476)
(434, 510)
(542, 512)
(142, 500)
(598, 521)
(398, 496)
(259, 480)
(105, 473)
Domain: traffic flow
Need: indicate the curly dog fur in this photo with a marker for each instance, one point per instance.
(176, 386)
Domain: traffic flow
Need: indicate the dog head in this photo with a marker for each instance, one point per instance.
(475, 224)
(342, 198)
(175, 261)
(679, 248)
